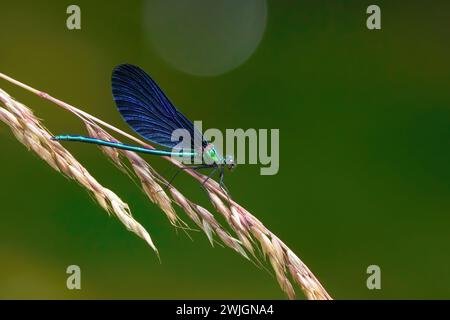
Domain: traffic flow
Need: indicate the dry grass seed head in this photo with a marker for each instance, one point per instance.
(31, 133)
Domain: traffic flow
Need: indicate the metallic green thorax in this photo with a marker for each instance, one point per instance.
(211, 155)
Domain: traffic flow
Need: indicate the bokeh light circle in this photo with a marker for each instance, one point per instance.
(205, 37)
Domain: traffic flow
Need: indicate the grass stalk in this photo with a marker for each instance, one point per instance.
(250, 234)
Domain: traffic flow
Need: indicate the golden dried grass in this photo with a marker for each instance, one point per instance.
(251, 235)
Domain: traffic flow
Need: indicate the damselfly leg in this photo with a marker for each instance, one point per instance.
(215, 167)
(222, 184)
(203, 166)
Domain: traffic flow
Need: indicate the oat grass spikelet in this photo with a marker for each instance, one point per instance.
(32, 134)
(243, 232)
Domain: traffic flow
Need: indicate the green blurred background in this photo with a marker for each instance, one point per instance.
(364, 119)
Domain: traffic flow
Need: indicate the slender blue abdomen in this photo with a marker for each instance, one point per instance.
(122, 146)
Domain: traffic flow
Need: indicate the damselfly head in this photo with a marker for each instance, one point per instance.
(229, 162)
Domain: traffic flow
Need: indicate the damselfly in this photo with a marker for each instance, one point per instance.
(150, 113)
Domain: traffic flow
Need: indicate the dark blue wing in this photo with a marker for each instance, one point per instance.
(147, 110)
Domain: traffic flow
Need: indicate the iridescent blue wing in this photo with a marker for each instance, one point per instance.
(147, 110)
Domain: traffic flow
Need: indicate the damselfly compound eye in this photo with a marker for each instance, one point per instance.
(229, 161)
